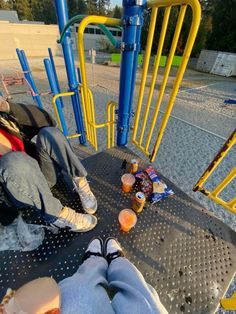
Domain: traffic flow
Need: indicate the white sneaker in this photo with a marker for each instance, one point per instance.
(75, 221)
(112, 249)
(87, 197)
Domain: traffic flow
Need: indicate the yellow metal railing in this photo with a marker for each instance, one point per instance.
(54, 99)
(90, 124)
(138, 137)
(86, 94)
(229, 303)
(214, 195)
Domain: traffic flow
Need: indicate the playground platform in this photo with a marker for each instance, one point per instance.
(186, 253)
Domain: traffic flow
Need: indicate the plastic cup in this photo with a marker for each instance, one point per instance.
(127, 219)
(127, 182)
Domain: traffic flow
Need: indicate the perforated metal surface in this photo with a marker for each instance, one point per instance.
(184, 252)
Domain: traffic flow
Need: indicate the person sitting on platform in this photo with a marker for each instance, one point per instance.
(28, 170)
(105, 283)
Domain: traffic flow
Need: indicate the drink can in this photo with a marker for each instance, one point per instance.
(133, 165)
(138, 202)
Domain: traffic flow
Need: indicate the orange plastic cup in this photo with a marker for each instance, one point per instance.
(127, 182)
(127, 219)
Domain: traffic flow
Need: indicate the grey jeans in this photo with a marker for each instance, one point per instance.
(27, 182)
(86, 292)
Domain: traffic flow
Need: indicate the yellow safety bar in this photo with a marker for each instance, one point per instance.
(92, 125)
(229, 303)
(55, 97)
(196, 16)
(86, 94)
(111, 106)
(110, 124)
(214, 195)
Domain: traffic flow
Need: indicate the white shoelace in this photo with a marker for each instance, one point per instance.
(85, 193)
(75, 218)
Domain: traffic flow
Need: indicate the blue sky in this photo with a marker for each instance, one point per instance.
(116, 2)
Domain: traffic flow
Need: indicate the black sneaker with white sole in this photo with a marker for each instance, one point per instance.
(112, 249)
(95, 248)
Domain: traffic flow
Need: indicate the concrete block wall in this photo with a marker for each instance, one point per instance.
(35, 39)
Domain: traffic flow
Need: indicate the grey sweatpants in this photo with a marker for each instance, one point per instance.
(27, 182)
(86, 292)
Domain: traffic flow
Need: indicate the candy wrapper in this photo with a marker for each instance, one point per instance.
(145, 182)
(160, 190)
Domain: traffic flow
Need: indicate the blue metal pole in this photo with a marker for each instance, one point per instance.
(55, 74)
(28, 76)
(62, 17)
(55, 90)
(130, 46)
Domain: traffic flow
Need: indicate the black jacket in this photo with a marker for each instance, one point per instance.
(30, 119)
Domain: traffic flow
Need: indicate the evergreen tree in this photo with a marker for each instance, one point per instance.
(81, 7)
(76, 7)
(207, 7)
(9, 5)
(92, 7)
(223, 35)
(49, 12)
(204, 30)
(72, 7)
(44, 11)
(37, 8)
(117, 12)
(23, 9)
(108, 7)
(101, 9)
(3, 5)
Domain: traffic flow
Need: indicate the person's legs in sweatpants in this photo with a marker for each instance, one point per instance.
(132, 293)
(26, 185)
(85, 291)
(55, 154)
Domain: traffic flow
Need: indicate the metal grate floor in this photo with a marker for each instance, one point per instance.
(187, 254)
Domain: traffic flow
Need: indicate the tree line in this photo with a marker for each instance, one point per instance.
(217, 29)
(38, 10)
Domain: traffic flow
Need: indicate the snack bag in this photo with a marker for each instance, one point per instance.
(160, 189)
(144, 181)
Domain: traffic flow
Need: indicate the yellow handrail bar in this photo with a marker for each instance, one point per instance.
(111, 122)
(145, 69)
(74, 135)
(86, 94)
(194, 4)
(155, 5)
(91, 120)
(155, 70)
(85, 114)
(167, 72)
(230, 205)
(54, 99)
(216, 161)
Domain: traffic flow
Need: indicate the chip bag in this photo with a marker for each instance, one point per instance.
(160, 190)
